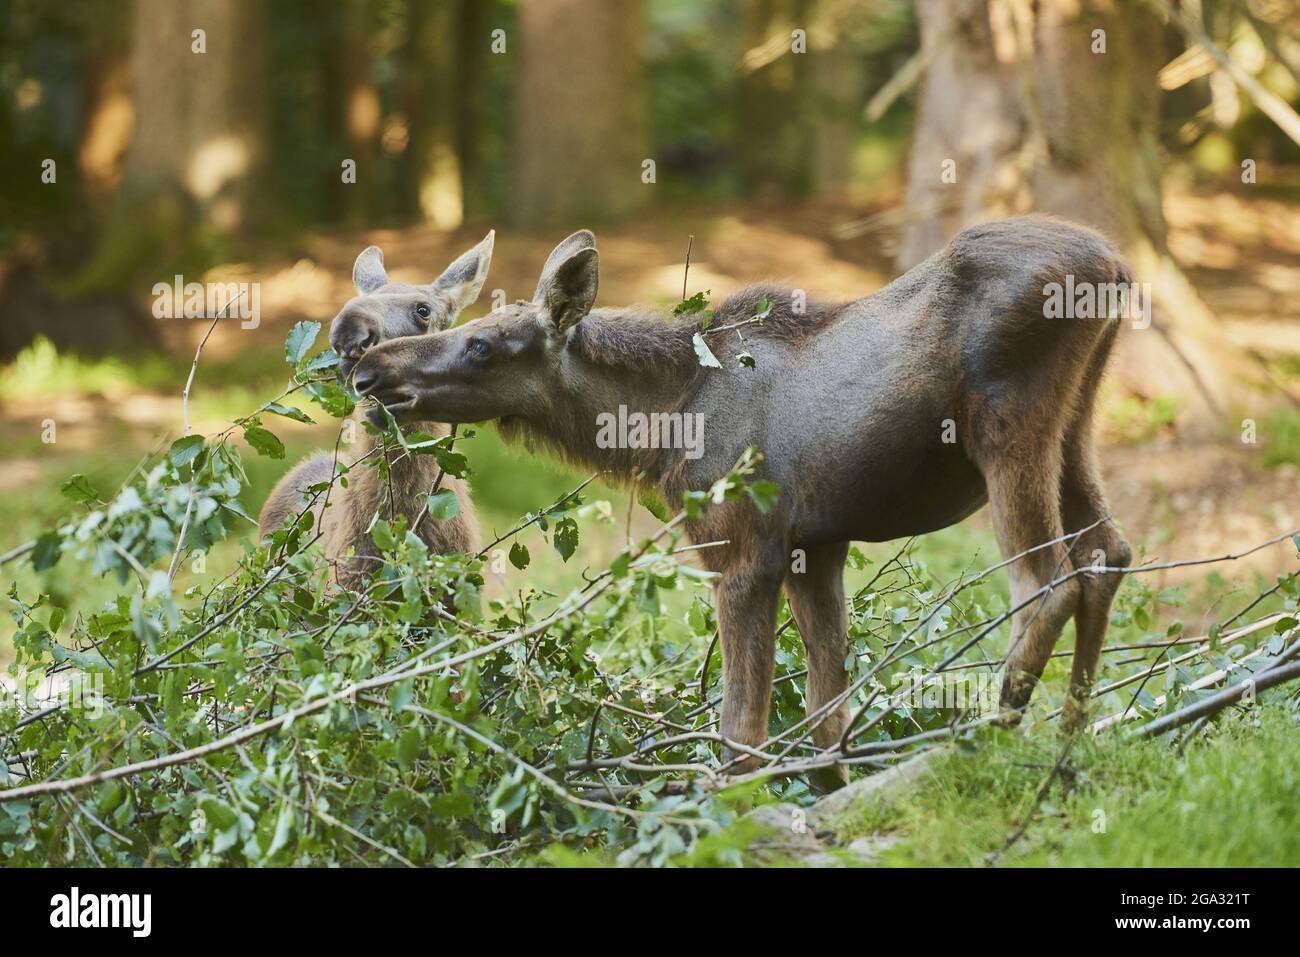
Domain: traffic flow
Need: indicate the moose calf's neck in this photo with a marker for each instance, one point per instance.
(622, 367)
(410, 477)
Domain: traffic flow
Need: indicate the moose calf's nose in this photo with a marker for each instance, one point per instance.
(354, 330)
(354, 349)
(364, 380)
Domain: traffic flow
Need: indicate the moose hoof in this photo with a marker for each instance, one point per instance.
(744, 764)
(1074, 714)
(1017, 689)
(826, 780)
(1009, 718)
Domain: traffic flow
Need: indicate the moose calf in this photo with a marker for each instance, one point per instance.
(854, 407)
(381, 311)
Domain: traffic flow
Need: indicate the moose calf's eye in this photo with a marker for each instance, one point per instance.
(479, 347)
(423, 311)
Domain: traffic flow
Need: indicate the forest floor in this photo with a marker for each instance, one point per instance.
(1110, 803)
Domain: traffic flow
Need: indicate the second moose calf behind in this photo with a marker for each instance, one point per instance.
(380, 311)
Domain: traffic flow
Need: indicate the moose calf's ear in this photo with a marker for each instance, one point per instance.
(463, 280)
(582, 239)
(368, 271)
(571, 290)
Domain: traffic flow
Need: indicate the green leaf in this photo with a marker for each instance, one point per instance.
(745, 359)
(519, 556)
(444, 505)
(1171, 596)
(764, 494)
(283, 828)
(185, 449)
(49, 547)
(332, 397)
(655, 505)
(300, 340)
(453, 463)
(704, 353)
(696, 303)
(326, 359)
(289, 412)
(762, 308)
(408, 747)
(565, 538)
(263, 442)
(619, 567)
(219, 814)
(78, 489)
(382, 535)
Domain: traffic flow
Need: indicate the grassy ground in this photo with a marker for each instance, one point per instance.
(1229, 798)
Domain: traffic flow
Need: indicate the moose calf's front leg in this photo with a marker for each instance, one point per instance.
(816, 594)
(746, 601)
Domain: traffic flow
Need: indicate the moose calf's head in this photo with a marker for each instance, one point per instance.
(500, 365)
(385, 310)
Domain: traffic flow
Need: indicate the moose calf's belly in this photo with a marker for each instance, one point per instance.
(889, 499)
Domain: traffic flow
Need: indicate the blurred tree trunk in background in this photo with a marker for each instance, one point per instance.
(92, 115)
(198, 127)
(108, 118)
(471, 52)
(835, 93)
(431, 172)
(1018, 107)
(581, 120)
(800, 108)
(440, 178)
(362, 111)
(774, 136)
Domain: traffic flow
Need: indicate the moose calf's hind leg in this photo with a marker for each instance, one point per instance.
(1083, 504)
(816, 597)
(746, 606)
(1024, 497)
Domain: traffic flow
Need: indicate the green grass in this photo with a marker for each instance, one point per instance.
(1281, 436)
(1230, 798)
(41, 371)
(1134, 420)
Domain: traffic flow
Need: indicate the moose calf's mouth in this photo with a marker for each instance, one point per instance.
(399, 404)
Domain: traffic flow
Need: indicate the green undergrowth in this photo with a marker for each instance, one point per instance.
(1230, 797)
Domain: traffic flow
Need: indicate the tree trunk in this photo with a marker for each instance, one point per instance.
(1021, 110)
(196, 142)
(362, 112)
(581, 125)
(775, 134)
(835, 86)
(471, 74)
(431, 168)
